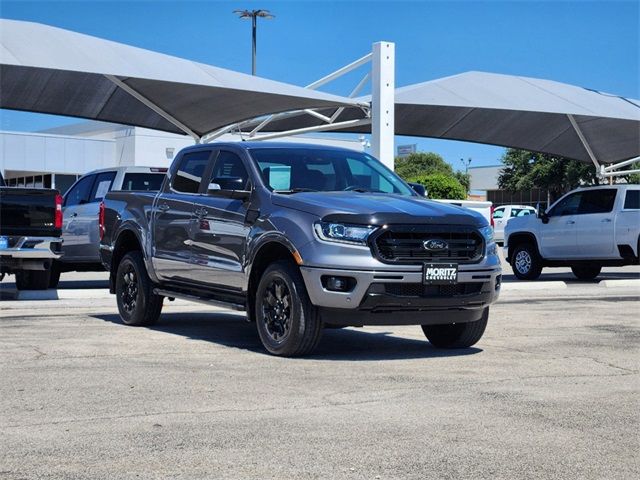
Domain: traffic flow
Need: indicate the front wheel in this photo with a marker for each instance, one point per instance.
(525, 262)
(586, 272)
(456, 335)
(137, 303)
(288, 324)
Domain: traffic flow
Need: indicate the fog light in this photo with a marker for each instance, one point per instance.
(338, 284)
(498, 282)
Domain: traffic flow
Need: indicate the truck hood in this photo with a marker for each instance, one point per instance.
(377, 209)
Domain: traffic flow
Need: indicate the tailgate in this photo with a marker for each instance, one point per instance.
(28, 211)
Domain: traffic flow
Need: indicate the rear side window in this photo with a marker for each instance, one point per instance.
(149, 182)
(632, 200)
(597, 201)
(101, 186)
(188, 177)
(79, 194)
(498, 213)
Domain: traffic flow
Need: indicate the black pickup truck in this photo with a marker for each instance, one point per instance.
(30, 228)
(301, 237)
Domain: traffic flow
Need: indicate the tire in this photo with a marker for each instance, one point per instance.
(456, 335)
(586, 272)
(137, 304)
(525, 262)
(54, 278)
(288, 324)
(33, 279)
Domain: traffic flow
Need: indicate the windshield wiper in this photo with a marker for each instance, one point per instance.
(295, 190)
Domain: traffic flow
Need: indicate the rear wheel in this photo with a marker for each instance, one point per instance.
(54, 278)
(586, 272)
(288, 324)
(137, 303)
(456, 335)
(33, 279)
(525, 262)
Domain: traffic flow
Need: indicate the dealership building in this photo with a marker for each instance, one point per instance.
(56, 157)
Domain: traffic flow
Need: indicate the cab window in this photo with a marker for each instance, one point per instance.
(567, 206)
(188, 177)
(101, 186)
(229, 173)
(632, 200)
(80, 192)
(597, 201)
(498, 213)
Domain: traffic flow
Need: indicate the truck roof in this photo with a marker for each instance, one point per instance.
(249, 145)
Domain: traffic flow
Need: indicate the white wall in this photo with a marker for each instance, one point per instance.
(43, 153)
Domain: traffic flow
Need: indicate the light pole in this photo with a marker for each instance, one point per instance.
(466, 164)
(253, 15)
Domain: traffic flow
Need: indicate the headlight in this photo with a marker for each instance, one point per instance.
(487, 233)
(341, 233)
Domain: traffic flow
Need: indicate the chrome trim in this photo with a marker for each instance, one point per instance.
(42, 249)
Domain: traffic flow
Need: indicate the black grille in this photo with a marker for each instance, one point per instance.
(406, 244)
(420, 290)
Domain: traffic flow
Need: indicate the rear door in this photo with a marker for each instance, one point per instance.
(499, 221)
(220, 229)
(595, 223)
(558, 236)
(173, 212)
(75, 230)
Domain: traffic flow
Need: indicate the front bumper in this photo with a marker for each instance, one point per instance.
(394, 297)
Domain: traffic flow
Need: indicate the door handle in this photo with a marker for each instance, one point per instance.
(606, 220)
(570, 222)
(163, 207)
(201, 212)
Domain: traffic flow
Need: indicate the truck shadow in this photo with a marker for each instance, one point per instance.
(231, 330)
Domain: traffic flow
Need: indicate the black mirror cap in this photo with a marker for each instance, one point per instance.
(543, 216)
(419, 189)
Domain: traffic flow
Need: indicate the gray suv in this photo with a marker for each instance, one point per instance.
(301, 237)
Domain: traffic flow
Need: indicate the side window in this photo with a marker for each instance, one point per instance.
(567, 206)
(632, 200)
(597, 201)
(524, 213)
(188, 177)
(498, 213)
(101, 186)
(229, 172)
(80, 193)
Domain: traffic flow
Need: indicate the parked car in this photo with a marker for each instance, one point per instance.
(30, 224)
(81, 206)
(483, 208)
(587, 229)
(300, 237)
(502, 214)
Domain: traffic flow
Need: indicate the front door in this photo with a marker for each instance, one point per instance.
(220, 229)
(172, 218)
(75, 226)
(595, 223)
(558, 236)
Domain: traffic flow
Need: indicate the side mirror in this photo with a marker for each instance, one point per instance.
(419, 189)
(542, 215)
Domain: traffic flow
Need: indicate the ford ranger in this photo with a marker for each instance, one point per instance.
(301, 237)
(586, 229)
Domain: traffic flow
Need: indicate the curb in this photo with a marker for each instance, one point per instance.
(632, 282)
(520, 286)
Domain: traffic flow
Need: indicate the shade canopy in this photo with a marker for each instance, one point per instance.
(510, 111)
(50, 70)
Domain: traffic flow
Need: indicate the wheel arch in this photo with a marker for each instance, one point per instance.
(126, 241)
(519, 238)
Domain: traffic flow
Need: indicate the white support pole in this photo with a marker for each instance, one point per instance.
(383, 102)
(317, 128)
(585, 144)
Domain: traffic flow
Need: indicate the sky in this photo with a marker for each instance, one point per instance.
(586, 43)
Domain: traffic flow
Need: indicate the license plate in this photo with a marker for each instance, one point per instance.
(440, 273)
(4, 243)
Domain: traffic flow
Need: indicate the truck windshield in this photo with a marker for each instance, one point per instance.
(291, 170)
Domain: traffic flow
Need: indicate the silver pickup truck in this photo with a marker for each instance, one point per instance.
(301, 237)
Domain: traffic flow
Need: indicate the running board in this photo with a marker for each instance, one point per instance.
(199, 299)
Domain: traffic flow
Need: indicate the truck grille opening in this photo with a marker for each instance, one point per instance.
(408, 244)
(420, 290)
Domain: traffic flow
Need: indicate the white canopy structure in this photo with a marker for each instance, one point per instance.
(528, 113)
(50, 70)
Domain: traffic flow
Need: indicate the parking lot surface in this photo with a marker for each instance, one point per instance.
(551, 391)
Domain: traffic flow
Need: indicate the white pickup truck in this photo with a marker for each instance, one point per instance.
(586, 229)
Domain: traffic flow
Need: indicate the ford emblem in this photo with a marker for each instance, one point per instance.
(435, 245)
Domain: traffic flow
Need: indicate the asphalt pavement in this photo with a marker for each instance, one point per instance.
(551, 391)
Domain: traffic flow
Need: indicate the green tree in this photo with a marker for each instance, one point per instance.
(423, 163)
(464, 179)
(441, 186)
(524, 170)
